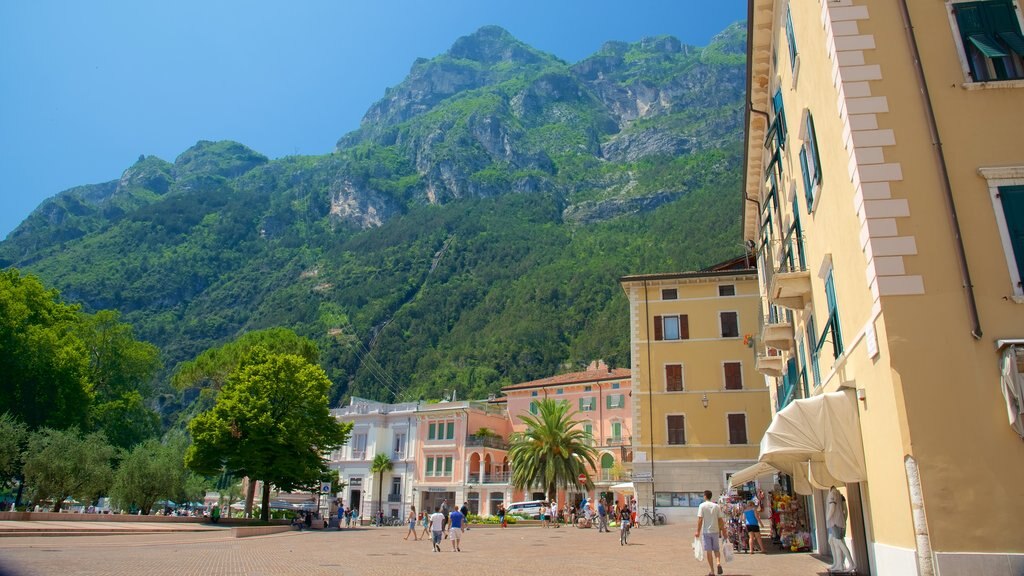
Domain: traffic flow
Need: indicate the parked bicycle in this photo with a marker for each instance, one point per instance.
(647, 518)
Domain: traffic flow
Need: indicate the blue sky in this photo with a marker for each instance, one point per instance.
(85, 87)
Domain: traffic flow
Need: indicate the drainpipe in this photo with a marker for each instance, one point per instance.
(925, 564)
(940, 158)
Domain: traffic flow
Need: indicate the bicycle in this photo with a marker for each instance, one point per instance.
(647, 518)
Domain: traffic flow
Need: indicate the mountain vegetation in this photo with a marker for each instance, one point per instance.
(468, 235)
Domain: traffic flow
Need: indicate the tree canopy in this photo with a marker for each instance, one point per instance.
(63, 464)
(553, 450)
(270, 422)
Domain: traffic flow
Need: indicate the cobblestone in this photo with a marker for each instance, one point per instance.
(369, 552)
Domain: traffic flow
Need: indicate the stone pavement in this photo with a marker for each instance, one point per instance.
(381, 551)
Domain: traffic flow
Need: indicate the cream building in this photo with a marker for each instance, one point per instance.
(699, 406)
(884, 194)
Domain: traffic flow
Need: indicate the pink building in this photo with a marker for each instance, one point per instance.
(601, 396)
(462, 456)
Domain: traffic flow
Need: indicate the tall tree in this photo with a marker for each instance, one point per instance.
(153, 470)
(13, 437)
(42, 358)
(270, 422)
(553, 450)
(64, 464)
(381, 465)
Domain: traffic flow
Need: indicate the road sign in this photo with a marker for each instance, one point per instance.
(325, 488)
(582, 478)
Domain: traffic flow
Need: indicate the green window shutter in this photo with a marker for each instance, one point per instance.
(987, 45)
(780, 116)
(451, 431)
(432, 431)
(833, 316)
(1014, 40)
(616, 429)
(1012, 198)
(791, 38)
(430, 466)
(607, 401)
(448, 466)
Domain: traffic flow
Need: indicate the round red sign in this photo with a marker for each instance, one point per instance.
(582, 478)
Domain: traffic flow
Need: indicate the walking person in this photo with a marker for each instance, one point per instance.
(554, 513)
(501, 516)
(835, 518)
(411, 520)
(750, 517)
(710, 528)
(624, 526)
(436, 528)
(465, 515)
(544, 515)
(602, 517)
(425, 521)
(456, 520)
(444, 512)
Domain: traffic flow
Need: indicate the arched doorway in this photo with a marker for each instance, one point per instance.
(607, 461)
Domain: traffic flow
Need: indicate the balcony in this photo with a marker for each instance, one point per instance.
(777, 332)
(770, 364)
(394, 497)
(398, 456)
(611, 475)
(790, 285)
(496, 442)
(618, 441)
(359, 455)
(497, 478)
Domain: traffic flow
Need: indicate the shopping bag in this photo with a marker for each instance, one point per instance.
(698, 549)
(727, 551)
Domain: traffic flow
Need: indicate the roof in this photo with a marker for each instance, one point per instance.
(596, 372)
(685, 275)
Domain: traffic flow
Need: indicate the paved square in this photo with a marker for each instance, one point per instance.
(372, 551)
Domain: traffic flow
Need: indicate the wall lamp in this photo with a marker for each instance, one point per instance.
(704, 400)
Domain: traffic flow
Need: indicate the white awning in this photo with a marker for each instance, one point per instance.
(751, 473)
(623, 486)
(817, 441)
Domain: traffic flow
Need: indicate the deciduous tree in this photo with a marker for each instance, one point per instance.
(271, 422)
(63, 464)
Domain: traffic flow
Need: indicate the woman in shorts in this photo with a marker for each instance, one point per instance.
(750, 517)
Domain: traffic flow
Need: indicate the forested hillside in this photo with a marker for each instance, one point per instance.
(469, 234)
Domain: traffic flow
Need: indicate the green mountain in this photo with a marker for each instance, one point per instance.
(469, 234)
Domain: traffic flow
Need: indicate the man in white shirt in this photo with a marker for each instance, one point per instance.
(710, 526)
(437, 527)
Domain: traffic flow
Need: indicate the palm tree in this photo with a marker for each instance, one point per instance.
(381, 464)
(553, 450)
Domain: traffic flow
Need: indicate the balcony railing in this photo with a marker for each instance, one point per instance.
(789, 284)
(618, 441)
(777, 330)
(359, 454)
(396, 456)
(394, 497)
(496, 442)
(770, 364)
(497, 478)
(609, 475)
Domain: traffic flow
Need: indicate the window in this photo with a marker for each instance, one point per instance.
(358, 446)
(733, 376)
(812, 339)
(832, 328)
(396, 485)
(991, 39)
(672, 327)
(674, 378)
(533, 393)
(398, 446)
(588, 404)
(676, 429)
(559, 391)
(737, 428)
(791, 38)
(730, 324)
(669, 294)
(1012, 199)
(432, 431)
(615, 401)
(726, 290)
(448, 466)
(678, 499)
(429, 469)
(588, 432)
(588, 388)
(533, 408)
(615, 385)
(810, 162)
(441, 431)
(777, 129)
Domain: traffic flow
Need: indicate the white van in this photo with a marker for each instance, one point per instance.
(529, 509)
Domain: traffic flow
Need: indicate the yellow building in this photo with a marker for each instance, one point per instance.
(884, 193)
(699, 407)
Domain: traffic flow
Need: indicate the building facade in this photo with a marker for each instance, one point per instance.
(602, 398)
(884, 195)
(377, 428)
(699, 407)
(462, 456)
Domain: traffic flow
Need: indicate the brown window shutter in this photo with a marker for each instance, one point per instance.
(658, 335)
(737, 428)
(684, 327)
(674, 378)
(733, 377)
